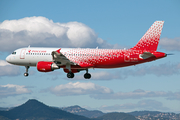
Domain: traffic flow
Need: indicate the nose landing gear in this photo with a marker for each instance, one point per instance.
(26, 73)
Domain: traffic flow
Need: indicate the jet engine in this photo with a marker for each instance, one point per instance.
(44, 66)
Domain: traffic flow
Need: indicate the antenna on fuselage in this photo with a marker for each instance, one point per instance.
(97, 47)
(29, 46)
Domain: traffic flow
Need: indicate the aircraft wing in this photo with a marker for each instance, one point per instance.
(146, 55)
(60, 59)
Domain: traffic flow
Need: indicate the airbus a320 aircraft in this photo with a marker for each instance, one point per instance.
(74, 60)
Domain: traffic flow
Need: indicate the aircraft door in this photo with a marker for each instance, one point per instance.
(22, 54)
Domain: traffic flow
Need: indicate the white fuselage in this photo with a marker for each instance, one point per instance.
(30, 56)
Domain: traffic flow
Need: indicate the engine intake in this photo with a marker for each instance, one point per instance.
(44, 66)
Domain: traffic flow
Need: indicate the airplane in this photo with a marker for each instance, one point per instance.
(74, 60)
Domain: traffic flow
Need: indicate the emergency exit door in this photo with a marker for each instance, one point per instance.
(22, 54)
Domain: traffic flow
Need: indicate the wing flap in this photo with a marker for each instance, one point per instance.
(60, 58)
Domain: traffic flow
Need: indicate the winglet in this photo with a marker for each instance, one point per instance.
(151, 38)
(58, 50)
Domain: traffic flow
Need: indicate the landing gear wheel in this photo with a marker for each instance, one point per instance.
(70, 75)
(26, 74)
(87, 76)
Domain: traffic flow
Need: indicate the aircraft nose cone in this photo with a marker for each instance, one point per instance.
(8, 58)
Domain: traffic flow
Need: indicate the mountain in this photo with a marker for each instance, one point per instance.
(34, 109)
(84, 112)
(116, 116)
(4, 109)
(141, 113)
(3, 118)
(155, 115)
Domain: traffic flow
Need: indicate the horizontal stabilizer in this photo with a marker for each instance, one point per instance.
(146, 55)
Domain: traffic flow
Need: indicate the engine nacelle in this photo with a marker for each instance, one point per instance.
(44, 66)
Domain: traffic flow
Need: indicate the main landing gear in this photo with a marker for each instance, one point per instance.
(70, 75)
(86, 75)
(26, 73)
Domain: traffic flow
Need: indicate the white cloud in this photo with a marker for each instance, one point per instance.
(8, 70)
(151, 105)
(170, 44)
(40, 31)
(165, 69)
(3, 63)
(12, 90)
(78, 89)
(102, 92)
(99, 75)
(105, 75)
(138, 94)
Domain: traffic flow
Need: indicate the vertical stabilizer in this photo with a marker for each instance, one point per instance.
(150, 40)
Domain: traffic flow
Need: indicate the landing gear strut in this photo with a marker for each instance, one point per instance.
(87, 75)
(70, 75)
(26, 73)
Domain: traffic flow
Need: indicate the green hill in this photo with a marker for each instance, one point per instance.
(84, 112)
(33, 110)
(141, 113)
(116, 116)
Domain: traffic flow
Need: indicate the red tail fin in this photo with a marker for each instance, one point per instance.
(151, 38)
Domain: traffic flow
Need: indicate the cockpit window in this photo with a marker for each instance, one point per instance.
(14, 53)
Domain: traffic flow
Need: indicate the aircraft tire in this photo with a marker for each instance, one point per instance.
(26, 74)
(87, 76)
(70, 75)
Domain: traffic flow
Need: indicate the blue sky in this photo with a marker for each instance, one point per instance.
(107, 24)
